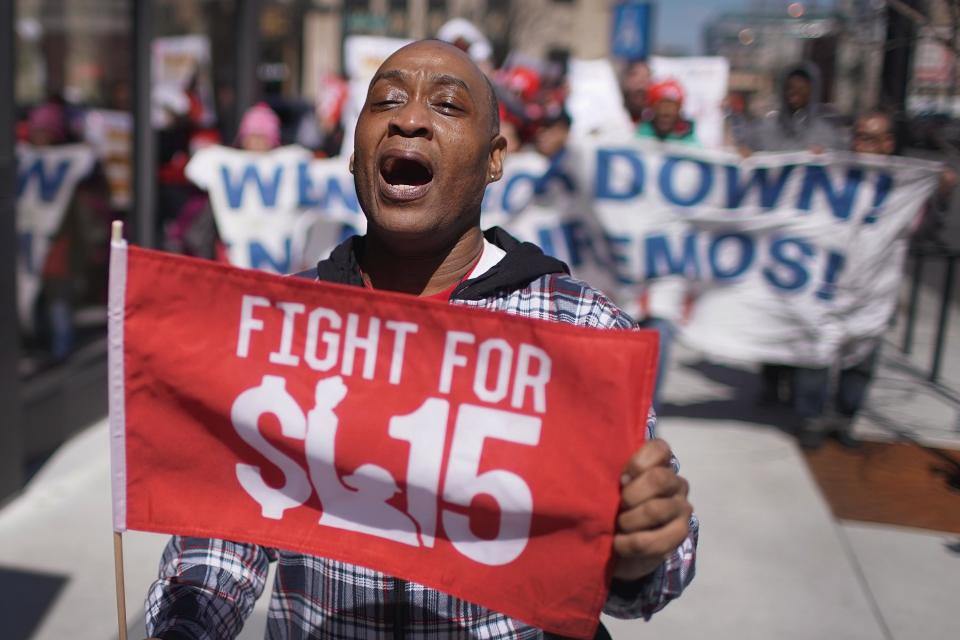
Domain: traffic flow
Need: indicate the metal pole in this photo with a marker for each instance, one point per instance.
(898, 63)
(247, 36)
(944, 314)
(144, 141)
(914, 301)
(11, 439)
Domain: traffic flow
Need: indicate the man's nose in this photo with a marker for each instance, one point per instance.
(412, 120)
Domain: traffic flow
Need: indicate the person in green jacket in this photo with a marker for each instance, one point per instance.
(667, 123)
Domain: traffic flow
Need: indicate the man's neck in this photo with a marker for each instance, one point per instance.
(422, 275)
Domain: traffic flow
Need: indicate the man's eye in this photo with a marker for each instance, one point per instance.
(445, 105)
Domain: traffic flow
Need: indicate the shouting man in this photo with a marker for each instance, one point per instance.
(427, 144)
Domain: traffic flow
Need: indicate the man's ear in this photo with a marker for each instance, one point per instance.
(498, 151)
(351, 163)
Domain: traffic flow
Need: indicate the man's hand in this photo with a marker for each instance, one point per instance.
(654, 513)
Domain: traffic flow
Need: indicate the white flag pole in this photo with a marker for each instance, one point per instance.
(121, 588)
(117, 240)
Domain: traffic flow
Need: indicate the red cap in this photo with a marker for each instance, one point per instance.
(523, 81)
(664, 90)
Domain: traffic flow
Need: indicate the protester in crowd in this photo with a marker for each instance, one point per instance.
(735, 122)
(634, 81)
(801, 123)
(556, 68)
(874, 133)
(193, 232)
(551, 137)
(259, 129)
(927, 236)
(516, 87)
(47, 124)
(177, 115)
(76, 258)
(526, 100)
(425, 239)
(664, 300)
(321, 130)
(666, 123)
(467, 37)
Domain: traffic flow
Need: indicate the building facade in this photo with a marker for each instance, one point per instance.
(845, 43)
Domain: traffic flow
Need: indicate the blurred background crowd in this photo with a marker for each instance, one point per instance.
(106, 102)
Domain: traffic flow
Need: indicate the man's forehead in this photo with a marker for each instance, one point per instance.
(435, 77)
(438, 60)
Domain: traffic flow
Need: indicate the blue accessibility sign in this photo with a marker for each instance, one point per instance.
(631, 30)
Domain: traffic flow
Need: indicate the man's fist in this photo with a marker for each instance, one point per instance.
(654, 512)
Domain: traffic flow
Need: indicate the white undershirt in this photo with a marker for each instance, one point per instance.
(492, 254)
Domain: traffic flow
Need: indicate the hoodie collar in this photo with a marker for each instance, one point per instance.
(523, 263)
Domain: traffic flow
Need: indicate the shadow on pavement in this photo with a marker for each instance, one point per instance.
(25, 597)
(740, 402)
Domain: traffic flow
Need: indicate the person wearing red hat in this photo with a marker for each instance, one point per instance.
(664, 300)
(666, 124)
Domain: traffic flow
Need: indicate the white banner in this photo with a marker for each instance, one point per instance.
(595, 102)
(47, 178)
(111, 134)
(267, 205)
(777, 258)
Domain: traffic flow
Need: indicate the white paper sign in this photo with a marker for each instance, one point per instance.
(111, 134)
(265, 204)
(704, 82)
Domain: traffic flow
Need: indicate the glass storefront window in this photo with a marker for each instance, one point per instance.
(72, 97)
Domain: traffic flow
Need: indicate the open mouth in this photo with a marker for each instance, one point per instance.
(405, 177)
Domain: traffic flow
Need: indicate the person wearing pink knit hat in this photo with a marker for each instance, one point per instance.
(47, 124)
(259, 129)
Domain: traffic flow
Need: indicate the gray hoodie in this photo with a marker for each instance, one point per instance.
(786, 130)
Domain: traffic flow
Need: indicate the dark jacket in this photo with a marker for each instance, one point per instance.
(523, 264)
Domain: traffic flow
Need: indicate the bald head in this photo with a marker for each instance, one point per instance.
(442, 49)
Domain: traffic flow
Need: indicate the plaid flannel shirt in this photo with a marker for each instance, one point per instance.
(207, 588)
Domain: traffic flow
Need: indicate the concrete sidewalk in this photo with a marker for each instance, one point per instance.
(761, 579)
(773, 561)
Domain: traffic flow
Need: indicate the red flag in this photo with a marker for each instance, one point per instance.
(477, 453)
